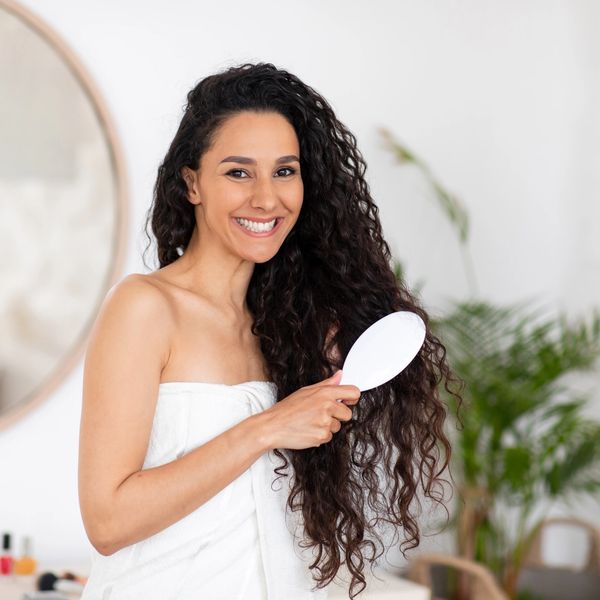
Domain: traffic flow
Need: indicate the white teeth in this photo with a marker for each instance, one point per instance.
(257, 227)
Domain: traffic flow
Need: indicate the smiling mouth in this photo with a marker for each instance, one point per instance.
(258, 228)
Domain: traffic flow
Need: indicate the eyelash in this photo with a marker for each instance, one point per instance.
(242, 171)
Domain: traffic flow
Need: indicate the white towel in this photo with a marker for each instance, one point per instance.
(240, 543)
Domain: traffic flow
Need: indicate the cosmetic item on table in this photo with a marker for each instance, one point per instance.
(6, 558)
(65, 582)
(25, 564)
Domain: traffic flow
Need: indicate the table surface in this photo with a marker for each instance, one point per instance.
(384, 586)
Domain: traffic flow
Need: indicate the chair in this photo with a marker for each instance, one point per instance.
(483, 586)
(559, 582)
(533, 557)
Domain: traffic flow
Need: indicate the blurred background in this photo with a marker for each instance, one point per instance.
(480, 127)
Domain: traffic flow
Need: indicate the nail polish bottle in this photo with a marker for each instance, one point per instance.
(6, 558)
(26, 564)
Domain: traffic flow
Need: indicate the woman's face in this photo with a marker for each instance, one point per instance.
(252, 172)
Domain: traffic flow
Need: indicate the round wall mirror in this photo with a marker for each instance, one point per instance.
(63, 219)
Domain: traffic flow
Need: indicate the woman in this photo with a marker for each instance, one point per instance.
(197, 375)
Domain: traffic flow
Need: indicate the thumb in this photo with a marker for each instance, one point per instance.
(335, 378)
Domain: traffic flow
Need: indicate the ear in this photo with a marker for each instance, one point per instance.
(189, 177)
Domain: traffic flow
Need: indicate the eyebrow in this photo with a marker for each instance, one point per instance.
(250, 161)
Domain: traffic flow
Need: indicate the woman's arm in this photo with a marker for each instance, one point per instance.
(120, 503)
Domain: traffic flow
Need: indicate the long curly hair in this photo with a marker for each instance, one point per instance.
(331, 279)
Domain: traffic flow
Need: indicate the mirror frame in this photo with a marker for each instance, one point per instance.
(71, 359)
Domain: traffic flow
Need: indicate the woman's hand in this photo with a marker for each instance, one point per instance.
(311, 415)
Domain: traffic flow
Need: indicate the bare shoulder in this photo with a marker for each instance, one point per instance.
(139, 294)
(142, 287)
(133, 307)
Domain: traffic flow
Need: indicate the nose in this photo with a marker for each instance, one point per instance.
(264, 194)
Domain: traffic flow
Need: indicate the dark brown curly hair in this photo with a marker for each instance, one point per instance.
(332, 274)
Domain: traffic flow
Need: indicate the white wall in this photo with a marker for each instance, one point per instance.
(498, 97)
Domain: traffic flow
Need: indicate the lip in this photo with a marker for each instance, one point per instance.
(261, 234)
(258, 219)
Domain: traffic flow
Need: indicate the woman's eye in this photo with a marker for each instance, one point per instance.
(236, 171)
(288, 169)
(292, 171)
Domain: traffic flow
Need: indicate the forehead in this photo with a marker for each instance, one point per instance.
(258, 135)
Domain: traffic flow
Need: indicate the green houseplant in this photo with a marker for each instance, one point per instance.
(523, 440)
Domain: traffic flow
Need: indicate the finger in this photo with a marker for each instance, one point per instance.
(349, 394)
(349, 402)
(336, 426)
(343, 415)
(333, 380)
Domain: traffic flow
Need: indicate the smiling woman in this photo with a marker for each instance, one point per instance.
(206, 379)
(262, 200)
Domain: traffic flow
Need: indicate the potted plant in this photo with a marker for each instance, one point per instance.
(523, 441)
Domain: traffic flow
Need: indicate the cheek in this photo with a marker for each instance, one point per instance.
(228, 196)
(297, 197)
